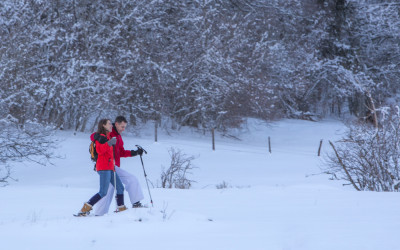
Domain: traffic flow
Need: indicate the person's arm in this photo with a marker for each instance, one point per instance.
(123, 152)
(102, 147)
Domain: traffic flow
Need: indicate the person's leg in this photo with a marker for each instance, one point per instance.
(120, 186)
(120, 193)
(104, 177)
(132, 185)
(104, 183)
(103, 205)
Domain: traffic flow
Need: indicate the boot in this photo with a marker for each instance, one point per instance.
(85, 210)
(120, 203)
(121, 208)
(120, 200)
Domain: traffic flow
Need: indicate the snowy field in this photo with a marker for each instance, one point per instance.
(275, 201)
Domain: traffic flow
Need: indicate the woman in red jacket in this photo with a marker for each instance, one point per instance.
(131, 183)
(105, 168)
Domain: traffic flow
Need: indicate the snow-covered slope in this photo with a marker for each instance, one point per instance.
(272, 201)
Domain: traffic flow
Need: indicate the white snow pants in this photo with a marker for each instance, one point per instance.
(132, 186)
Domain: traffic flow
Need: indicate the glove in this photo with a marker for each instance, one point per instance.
(139, 151)
(112, 141)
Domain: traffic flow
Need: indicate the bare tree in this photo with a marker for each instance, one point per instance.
(29, 142)
(176, 176)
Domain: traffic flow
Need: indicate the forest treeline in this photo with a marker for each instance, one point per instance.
(198, 63)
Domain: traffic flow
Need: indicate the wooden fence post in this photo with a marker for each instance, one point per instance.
(269, 144)
(213, 139)
(319, 149)
(155, 131)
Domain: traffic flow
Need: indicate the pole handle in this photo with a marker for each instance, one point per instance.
(138, 146)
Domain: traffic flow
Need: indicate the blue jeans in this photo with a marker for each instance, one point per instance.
(107, 177)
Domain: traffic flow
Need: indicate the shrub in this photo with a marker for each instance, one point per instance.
(367, 157)
(176, 175)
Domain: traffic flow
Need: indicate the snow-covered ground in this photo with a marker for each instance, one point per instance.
(273, 201)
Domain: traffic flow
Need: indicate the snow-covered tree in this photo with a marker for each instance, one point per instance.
(201, 63)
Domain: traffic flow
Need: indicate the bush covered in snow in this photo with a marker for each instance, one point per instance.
(368, 157)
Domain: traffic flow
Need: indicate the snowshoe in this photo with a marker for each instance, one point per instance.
(80, 214)
(138, 205)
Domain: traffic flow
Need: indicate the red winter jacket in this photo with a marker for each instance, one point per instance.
(105, 159)
(119, 150)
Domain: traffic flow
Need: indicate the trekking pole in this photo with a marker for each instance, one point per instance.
(115, 187)
(145, 175)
